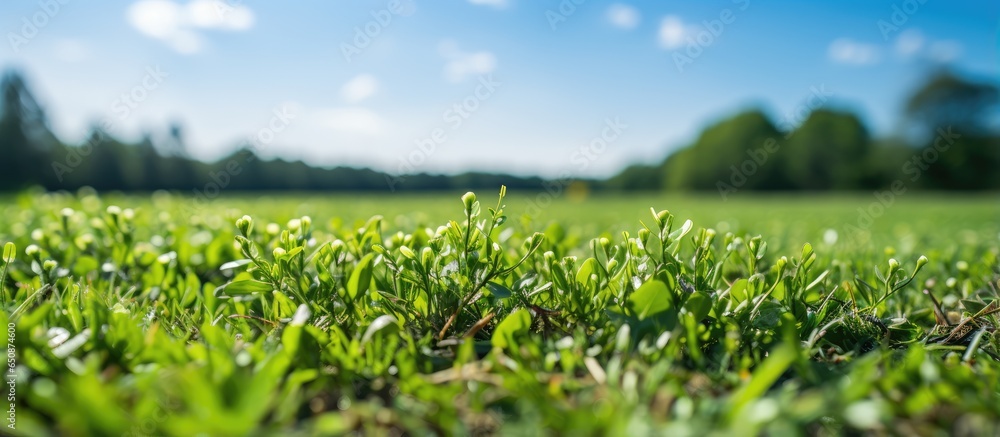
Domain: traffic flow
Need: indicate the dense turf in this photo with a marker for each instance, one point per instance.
(165, 315)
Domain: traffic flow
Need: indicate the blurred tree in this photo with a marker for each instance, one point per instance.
(957, 149)
(947, 100)
(25, 138)
(174, 144)
(637, 178)
(145, 175)
(105, 166)
(955, 119)
(829, 151)
(741, 152)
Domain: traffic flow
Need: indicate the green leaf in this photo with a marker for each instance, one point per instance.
(293, 331)
(381, 323)
(902, 331)
(651, 298)
(361, 277)
(599, 252)
(235, 264)
(9, 252)
(36, 317)
(768, 316)
(739, 290)
(763, 377)
(588, 268)
(84, 265)
(246, 286)
(682, 231)
(779, 290)
(498, 290)
(512, 326)
(699, 305)
(653, 247)
(761, 250)
(293, 252)
(973, 306)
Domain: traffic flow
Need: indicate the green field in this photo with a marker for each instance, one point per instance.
(427, 314)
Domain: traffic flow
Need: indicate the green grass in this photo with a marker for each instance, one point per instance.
(592, 315)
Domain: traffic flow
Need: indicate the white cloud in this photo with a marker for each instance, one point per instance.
(217, 14)
(352, 120)
(909, 42)
(847, 51)
(462, 65)
(156, 18)
(499, 4)
(359, 88)
(674, 33)
(944, 51)
(623, 16)
(912, 43)
(179, 25)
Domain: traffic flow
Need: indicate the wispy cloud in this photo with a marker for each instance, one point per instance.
(359, 88)
(848, 51)
(499, 4)
(462, 65)
(623, 16)
(909, 43)
(944, 51)
(350, 120)
(674, 32)
(912, 43)
(180, 26)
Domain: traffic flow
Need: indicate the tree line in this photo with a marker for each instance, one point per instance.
(948, 140)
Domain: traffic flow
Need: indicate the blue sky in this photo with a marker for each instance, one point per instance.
(536, 83)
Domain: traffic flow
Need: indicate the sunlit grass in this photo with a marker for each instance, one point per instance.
(435, 314)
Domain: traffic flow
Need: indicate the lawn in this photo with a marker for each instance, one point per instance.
(319, 314)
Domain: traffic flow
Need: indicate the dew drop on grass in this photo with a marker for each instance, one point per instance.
(830, 237)
(764, 410)
(684, 408)
(564, 343)
(344, 403)
(243, 358)
(44, 387)
(863, 414)
(929, 372)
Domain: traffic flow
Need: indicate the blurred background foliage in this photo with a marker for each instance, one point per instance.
(831, 149)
